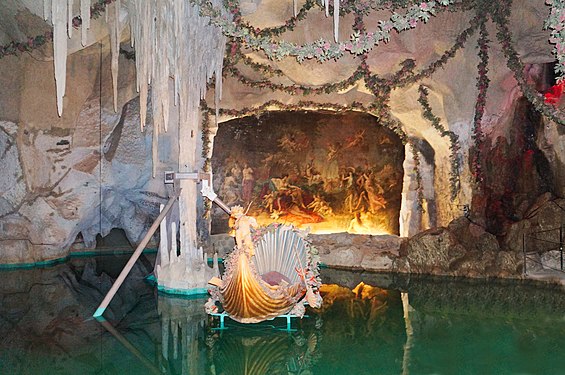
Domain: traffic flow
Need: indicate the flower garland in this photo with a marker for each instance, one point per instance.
(444, 58)
(482, 87)
(419, 184)
(206, 147)
(235, 55)
(327, 88)
(556, 22)
(289, 25)
(402, 78)
(321, 50)
(500, 17)
(454, 147)
(16, 48)
(391, 124)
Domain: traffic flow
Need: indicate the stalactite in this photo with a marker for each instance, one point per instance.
(326, 4)
(336, 19)
(70, 18)
(113, 13)
(59, 19)
(165, 327)
(164, 239)
(46, 9)
(85, 17)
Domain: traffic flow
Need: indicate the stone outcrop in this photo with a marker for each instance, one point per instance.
(344, 250)
(461, 249)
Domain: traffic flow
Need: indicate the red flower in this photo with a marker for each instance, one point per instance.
(554, 93)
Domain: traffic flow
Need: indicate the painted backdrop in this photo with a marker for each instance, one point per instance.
(333, 172)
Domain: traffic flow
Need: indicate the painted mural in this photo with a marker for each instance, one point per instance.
(330, 172)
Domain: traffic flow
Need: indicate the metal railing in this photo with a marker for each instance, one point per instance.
(532, 244)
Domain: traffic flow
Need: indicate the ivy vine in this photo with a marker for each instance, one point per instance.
(454, 147)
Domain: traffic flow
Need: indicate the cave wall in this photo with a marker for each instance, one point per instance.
(90, 170)
(86, 172)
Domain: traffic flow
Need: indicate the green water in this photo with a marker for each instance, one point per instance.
(452, 327)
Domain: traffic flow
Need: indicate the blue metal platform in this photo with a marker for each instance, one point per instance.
(288, 317)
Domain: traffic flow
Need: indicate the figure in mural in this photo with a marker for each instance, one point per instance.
(230, 190)
(288, 200)
(280, 184)
(294, 141)
(350, 190)
(236, 172)
(331, 184)
(320, 206)
(269, 201)
(374, 196)
(357, 224)
(347, 178)
(248, 183)
(333, 149)
(355, 140)
(311, 174)
(370, 193)
(287, 142)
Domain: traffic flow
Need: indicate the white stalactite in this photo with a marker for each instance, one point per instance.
(172, 39)
(85, 17)
(113, 14)
(173, 253)
(59, 19)
(164, 239)
(336, 20)
(70, 18)
(46, 9)
(326, 4)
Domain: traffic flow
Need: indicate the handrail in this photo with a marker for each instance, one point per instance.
(546, 266)
(543, 240)
(129, 265)
(560, 247)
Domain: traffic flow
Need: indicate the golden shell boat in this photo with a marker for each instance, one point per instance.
(272, 271)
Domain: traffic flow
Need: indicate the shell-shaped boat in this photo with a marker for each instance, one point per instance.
(279, 276)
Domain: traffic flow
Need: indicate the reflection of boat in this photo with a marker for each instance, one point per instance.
(275, 274)
(261, 353)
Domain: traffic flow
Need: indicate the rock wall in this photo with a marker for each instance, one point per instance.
(84, 173)
(90, 170)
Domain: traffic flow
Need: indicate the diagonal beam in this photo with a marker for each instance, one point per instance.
(119, 281)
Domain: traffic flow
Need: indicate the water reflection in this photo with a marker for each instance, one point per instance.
(440, 326)
(191, 343)
(244, 351)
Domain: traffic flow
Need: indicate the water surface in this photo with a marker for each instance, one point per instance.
(388, 325)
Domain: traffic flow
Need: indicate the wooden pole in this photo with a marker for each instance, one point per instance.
(100, 310)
